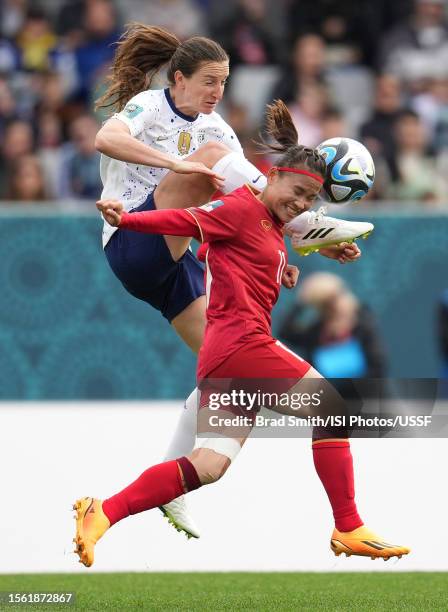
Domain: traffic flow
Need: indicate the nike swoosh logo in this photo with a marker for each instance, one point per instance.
(257, 179)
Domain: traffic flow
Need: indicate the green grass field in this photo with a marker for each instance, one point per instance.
(340, 592)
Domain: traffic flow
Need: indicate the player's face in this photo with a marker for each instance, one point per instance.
(288, 195)
(204, 88)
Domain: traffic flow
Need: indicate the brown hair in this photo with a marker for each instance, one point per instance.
(143, 50)
(280, 126)
(21, 164)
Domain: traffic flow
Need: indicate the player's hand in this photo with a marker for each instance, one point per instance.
(186, 167)
(111, 211)
(343, 253)
(290, 276)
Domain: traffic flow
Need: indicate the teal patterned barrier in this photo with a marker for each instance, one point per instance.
(69, 331)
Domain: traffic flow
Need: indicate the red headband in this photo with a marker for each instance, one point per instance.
(316, 177)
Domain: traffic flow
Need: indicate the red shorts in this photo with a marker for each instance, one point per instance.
(262, 359)
(266, 366)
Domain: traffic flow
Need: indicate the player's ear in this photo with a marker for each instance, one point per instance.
(272, 175)
(179, 78)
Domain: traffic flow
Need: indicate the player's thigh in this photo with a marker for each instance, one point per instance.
(143, 264)
(309, 392)
(183, 190)
(190, 323)
(317, 396)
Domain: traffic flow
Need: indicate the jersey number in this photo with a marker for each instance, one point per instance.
(281, 266)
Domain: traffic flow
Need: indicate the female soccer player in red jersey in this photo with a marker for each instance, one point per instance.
(245, 260)
(169, 148)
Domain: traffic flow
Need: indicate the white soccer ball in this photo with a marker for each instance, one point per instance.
(350, 170)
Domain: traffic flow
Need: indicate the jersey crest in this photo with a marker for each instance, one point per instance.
(266, 225)
(184, 143)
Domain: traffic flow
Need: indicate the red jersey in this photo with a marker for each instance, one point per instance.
(245, 263)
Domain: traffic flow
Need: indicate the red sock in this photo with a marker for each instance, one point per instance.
(334, 464)
(157, 486)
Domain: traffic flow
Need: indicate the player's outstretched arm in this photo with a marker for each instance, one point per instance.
(115, 140)
(172, 222)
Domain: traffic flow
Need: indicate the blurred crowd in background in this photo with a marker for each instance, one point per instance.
(377, 71)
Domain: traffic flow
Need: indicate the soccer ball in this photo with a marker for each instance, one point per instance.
(350, 170)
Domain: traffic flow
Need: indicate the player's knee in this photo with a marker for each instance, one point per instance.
(209, 465)
(211, 152)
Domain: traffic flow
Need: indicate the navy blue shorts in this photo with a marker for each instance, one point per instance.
(143, 264)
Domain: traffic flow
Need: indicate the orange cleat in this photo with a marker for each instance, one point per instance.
(91, 524)
(364, 543)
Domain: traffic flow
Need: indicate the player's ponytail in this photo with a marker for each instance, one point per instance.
(141, 52)
(280, 127)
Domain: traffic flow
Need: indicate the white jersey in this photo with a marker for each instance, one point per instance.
(153, 118)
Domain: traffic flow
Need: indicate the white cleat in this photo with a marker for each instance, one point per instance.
(312, 231)
(177, 514)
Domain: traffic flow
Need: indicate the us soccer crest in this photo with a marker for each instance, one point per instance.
(184, 143)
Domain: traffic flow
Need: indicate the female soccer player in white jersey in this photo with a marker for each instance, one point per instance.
(169, 149)
(245, 260)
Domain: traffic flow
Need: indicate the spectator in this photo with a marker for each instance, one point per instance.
(333, 125)
(418, 49)
(70, 18)
(35, 41)
(51, 98)
(182, 17)
(253, 151)
(237, 116)
(18, 141)
(350, 29)
(95, 54)
(308, 111)
(306, 67)
(7, 106)
(12, 17)
(378, 133)
(9, 57)
(49, 144)
(418, 179)
(27, 182)
(333, 331)
(82, 166)
(432, 108)
(250, 33)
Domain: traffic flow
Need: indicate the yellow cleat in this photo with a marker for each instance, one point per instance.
(91, 524)
(304, 251)
(364, 543)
